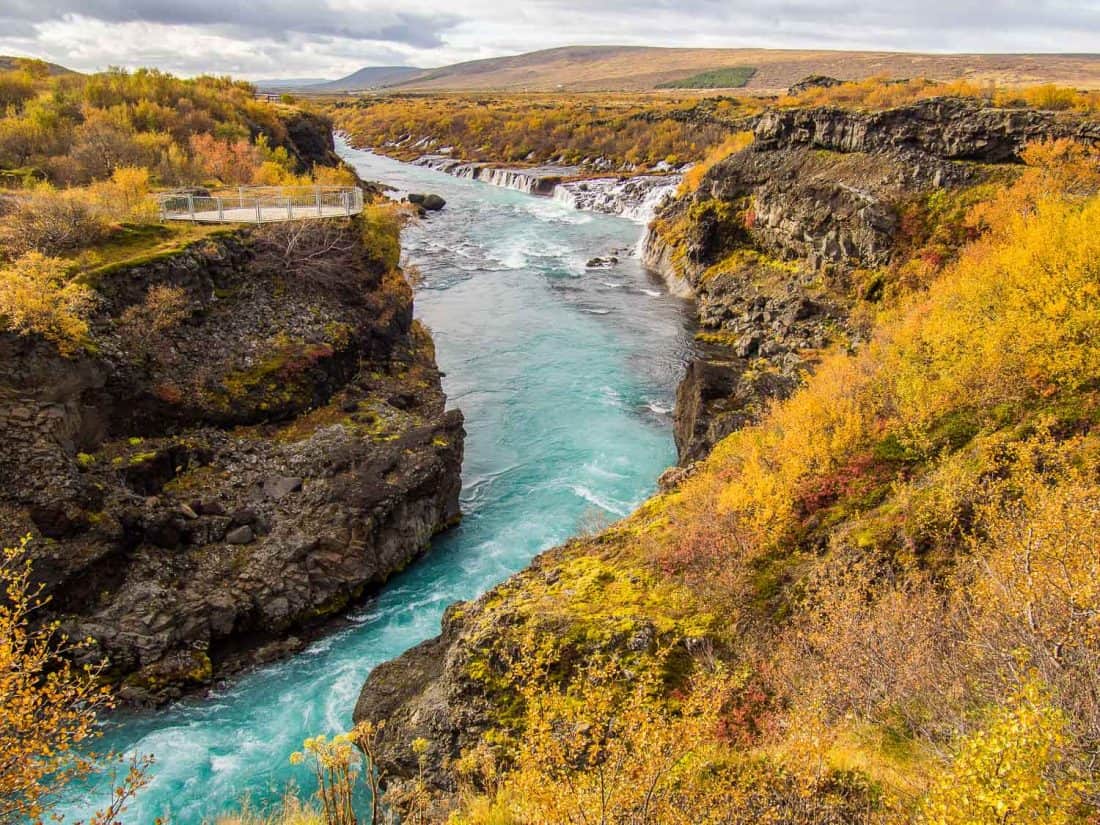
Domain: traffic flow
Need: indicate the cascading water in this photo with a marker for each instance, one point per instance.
(636, 198)
(566, 377)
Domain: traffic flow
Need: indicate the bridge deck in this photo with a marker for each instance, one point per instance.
(265, 214)
(262, 204)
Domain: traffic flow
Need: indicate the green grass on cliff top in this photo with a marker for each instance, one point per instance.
(134, 244)
(733, 77)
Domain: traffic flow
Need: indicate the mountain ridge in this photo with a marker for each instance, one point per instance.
(644, 68)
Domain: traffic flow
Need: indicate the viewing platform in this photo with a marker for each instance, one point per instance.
(261, 204)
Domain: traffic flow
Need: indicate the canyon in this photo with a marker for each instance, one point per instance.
(775, 246)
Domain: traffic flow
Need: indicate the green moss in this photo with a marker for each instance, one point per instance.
(719, 337)
(893, 449)
(139, 244)
(954, 431)
(85, 460)
(587, 600)
(767, 271)
(278, 380)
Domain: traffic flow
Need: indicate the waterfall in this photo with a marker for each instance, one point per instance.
(636, 198)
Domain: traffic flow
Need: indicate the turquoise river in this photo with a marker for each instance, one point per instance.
(566, 377)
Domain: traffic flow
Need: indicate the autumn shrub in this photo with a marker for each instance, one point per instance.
(1012, 323)
(37, 296)
(49, 709)
(125, 196)
(912, 534)
(82, 128)
(342, 766)
(50, 222)
(608, 749)
(1044, 96)
(319, 252)
(1030, 594)
(883, 92)
(617, 130)
(1012, 769)
(292, 811)
(381, 235)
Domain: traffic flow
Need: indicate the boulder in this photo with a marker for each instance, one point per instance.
(433, 203)
(240, 535)
(814, 81)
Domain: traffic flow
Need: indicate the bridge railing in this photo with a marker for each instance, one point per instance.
(261, 204)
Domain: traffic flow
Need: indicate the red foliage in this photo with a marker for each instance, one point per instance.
(749, 713)
(856, 477)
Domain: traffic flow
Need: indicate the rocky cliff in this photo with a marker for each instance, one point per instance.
(778, 242)
(255, 436)
(309, 140)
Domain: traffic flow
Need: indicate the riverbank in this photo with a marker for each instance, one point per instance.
(565, 377)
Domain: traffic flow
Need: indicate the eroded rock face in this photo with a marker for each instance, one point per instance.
(214, 488)
(948, 128)
(773, 242)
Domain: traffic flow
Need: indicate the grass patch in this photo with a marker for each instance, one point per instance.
(135, 244)
(733, 77)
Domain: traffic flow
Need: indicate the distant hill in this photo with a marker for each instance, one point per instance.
(280, 84)
(372, 77)
(640, 68)
(7, 63)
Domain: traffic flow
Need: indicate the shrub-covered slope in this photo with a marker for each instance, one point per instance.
(874, 602)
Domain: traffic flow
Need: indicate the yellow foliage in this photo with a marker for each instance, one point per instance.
(731, 145)
(125, 197)
(36, 296)
(1011, 771)
(807, 435)
(1032, 591)
(48, 707)
(342, 175)
(292, 811)
(883, 93)
(339, 764)
(622, 129)
(1015, 319)
(610, 749)
(50, 221)
(381, 228)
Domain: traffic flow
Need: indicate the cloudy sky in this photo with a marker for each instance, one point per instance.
(330, 38)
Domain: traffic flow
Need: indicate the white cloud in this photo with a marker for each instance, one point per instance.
(288, 38)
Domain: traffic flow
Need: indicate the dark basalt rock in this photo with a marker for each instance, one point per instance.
(816, 198)
(814, 81)
(309, 140)
(215, 489)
